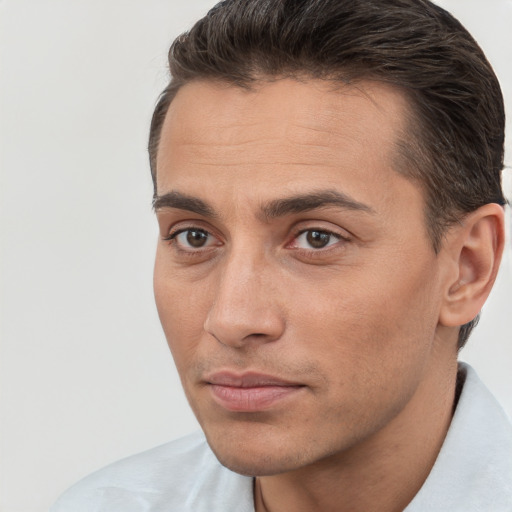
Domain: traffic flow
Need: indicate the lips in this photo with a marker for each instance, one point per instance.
(250, 392)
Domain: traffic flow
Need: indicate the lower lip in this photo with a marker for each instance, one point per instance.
(251, 399)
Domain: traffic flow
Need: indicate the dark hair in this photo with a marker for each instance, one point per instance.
(454, 145)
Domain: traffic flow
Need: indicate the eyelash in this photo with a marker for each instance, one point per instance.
(323, 231)
(311, 252)
(173, 234)
(171, 238)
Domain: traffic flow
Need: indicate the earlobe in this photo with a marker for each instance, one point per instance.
(476, 247)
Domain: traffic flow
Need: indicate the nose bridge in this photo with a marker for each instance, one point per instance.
(245, 306)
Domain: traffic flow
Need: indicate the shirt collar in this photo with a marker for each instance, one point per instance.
(473, 471)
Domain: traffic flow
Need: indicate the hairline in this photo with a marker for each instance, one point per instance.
(406, 155)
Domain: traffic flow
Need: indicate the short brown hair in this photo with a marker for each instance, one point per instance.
(454, 147)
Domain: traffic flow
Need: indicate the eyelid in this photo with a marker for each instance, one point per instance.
(341, 235)
(338, 232)
(184, 225)
(341, 238)
(295, 242)
(173, 234)
(321, 230)
(185, 250)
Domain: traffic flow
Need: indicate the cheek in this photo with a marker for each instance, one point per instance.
(376, 313)
(182, 309)
(371, 341)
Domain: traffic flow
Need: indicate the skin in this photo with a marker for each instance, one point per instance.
(365, 327)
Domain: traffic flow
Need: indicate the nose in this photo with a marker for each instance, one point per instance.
(246, 304)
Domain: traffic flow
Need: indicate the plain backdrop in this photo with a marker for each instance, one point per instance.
(86, 377)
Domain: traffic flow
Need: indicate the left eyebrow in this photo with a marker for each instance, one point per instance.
(312, 201)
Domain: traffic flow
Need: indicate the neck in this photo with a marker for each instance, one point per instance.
(383, 472)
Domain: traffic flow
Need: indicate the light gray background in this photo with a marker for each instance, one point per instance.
(86, 377)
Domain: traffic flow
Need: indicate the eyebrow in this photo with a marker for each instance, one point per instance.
(312, 201)
(183, 202)
(271, 210)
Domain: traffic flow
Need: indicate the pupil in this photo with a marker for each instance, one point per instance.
(318, 239)
(196, 238)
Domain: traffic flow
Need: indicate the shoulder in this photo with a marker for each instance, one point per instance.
(181, 475)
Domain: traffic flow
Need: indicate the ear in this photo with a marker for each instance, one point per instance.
(475, 248)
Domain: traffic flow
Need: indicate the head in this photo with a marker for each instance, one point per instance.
(453, 146)
(396, 90)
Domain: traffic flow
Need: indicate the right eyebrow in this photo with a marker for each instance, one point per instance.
(183, 202)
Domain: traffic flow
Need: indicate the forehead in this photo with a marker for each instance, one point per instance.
(207, 111)
(287, 134)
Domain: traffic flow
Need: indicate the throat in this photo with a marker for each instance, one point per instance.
(383, 473)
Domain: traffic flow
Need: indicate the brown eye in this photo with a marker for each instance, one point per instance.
(318, 239)
(193, 238)
(315, 239)
(196, 238)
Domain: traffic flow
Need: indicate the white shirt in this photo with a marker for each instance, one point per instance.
(473, 471)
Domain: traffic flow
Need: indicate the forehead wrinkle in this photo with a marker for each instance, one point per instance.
(310, 128)
(300, 145)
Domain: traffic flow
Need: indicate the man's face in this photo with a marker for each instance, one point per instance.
(296, 285)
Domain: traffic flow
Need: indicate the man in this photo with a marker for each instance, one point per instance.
(327, 188)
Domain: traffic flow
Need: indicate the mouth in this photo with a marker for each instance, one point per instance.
(250, 392)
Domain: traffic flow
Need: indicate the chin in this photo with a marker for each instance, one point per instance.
(256, 457)
(256, 464)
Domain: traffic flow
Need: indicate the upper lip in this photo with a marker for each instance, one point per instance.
(246, 380)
